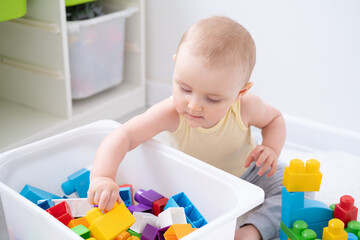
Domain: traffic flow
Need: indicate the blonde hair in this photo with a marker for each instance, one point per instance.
(223, 42)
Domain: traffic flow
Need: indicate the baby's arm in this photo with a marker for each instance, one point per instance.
(103, 189)
(255, 112)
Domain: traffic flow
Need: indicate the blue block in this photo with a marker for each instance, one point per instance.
(290, 202)
(125, 195)
(193, 216)
(46, 204)
(78, 182)
(352, 236)
(295, 207)
(35, 194)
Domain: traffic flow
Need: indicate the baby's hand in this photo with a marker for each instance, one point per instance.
(264, 156)
(104, 192)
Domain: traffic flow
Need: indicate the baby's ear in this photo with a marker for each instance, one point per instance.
(245, 89)
(174, 57)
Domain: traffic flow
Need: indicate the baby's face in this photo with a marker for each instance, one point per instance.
(203, 94)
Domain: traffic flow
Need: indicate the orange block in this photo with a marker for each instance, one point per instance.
(177, 231)
(78, 221)
(123, 236)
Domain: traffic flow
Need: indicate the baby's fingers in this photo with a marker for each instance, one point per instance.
(273, 169)
(266, 165)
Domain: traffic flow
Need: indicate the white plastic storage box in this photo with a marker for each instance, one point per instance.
(220, 197)
(96, 50)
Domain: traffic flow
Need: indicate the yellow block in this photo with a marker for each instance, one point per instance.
(301, 178)
(335, 230)
(177, 231)
(109, 225)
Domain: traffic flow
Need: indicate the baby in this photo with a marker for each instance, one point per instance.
(208, 117)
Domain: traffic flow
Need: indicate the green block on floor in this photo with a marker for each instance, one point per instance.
(82, 231)
(133, 233)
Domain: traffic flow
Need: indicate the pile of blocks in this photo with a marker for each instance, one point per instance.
(154, 217)
(310, 219)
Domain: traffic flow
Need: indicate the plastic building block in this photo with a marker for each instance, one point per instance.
(352, 236)
(147, 197)
(139, 208)
(160, 235)
(78, 221)
(79, 206)
(107, 226)
(171, 216)
(294, 207)
(177, 231)
(300, 178)
(122, 236)
(141, 220)
(150, 232)
(133, 238)
(133, 233)
(78, 182)
(353, 227)
(299, 231)
(35, 194)
(125, 192)
(82, 231)
(159, 205)
(345, 210)
(61, 212)
(45, 204)
(335, 230)
(193, 216)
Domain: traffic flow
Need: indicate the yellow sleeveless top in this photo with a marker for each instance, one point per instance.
(225, 146)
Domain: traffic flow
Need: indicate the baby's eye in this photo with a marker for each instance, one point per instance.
(185, 89)
(213, 100)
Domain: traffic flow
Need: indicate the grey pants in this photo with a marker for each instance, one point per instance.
(267, 217)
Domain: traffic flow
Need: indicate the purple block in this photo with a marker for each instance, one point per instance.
(150, 232)
(160, 234)
(147, 197)
(139, 208)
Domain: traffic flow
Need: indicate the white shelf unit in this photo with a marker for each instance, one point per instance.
(35, 95)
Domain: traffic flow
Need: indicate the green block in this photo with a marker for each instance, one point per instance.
(332, 207)
(353, 227)
(133, 233)
(299, 231)
(82, 231)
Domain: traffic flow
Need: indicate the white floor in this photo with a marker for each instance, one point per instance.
(340, 173)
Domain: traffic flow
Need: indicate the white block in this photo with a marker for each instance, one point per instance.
(143, 218)
(171, 216)
(78, 206)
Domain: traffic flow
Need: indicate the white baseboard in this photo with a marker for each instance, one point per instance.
(302, 133)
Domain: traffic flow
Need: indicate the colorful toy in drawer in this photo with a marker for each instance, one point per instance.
(193, 216)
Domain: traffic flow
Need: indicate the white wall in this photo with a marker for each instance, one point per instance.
(308, 52)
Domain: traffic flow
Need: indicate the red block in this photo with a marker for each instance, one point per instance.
(61, 212)
(345, 210)
(158, 205)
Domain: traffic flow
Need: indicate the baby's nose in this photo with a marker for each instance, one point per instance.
(195, 104)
